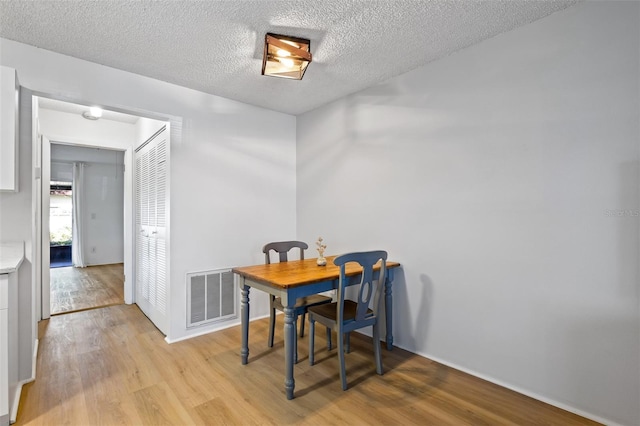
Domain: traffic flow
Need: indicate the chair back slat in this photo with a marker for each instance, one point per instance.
(368, 287)
(283, 248)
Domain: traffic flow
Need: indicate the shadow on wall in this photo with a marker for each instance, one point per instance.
(411, 326)
(411, 383)
(424, 314)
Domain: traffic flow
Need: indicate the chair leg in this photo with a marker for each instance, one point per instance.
(295, 340)
(343, 376)
(348, 339)
(312, 335)
(328, 339)
(272, 322)
(376, 347)
(304, 316)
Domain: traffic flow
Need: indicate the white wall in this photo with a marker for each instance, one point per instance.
(103, 238)
(491, 175)
(232, 174)
(232, 190)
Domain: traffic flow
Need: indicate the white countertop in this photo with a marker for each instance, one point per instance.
(11, 256)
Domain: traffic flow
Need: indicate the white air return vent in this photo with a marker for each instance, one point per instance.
(211, 296)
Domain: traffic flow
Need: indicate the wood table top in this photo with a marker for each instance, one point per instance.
(299, 272)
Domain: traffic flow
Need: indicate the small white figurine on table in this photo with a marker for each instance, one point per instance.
(321, 247)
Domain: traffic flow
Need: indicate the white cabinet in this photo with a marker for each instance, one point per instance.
(11, 256)
(9, 96)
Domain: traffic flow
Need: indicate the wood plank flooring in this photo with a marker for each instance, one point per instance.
(75, 289)
(112, 366)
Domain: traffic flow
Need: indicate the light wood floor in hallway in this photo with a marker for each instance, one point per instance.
(75, 289)
(112, 366)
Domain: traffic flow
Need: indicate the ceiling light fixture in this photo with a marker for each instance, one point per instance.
(285, 56)
(93, 114)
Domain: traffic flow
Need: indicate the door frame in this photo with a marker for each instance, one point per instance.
(45, 183)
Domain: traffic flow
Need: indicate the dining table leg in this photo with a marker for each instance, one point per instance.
(244, 320)
(388, 309)
(289, 343)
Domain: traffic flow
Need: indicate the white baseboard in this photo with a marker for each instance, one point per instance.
(235, 323)
(201, 333)
(519, 390)
(18, 393)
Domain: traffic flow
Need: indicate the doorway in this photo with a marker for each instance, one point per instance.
(113, 135)
(86, 227)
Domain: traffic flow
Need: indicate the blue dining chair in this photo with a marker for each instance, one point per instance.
(302, 304)
(344, 315)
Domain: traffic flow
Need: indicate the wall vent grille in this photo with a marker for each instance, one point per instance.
(211, 297)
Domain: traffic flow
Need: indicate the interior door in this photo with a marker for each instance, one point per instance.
(151, 228)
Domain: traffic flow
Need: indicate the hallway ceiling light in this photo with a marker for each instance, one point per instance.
(285, 56)
(94, 113)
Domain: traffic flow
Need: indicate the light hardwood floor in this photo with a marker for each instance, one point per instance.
(112, 366)
(75, 289)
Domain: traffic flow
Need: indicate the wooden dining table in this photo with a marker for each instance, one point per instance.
(299, 278)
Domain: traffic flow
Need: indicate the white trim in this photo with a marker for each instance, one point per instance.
(202, 333)
(18, 392)
(45, 201)
(517, 389)
(36, 231)
(34, 360)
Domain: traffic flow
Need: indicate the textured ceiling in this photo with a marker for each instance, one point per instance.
(216, 46)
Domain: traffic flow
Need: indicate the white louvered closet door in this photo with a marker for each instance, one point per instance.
(151, 229)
